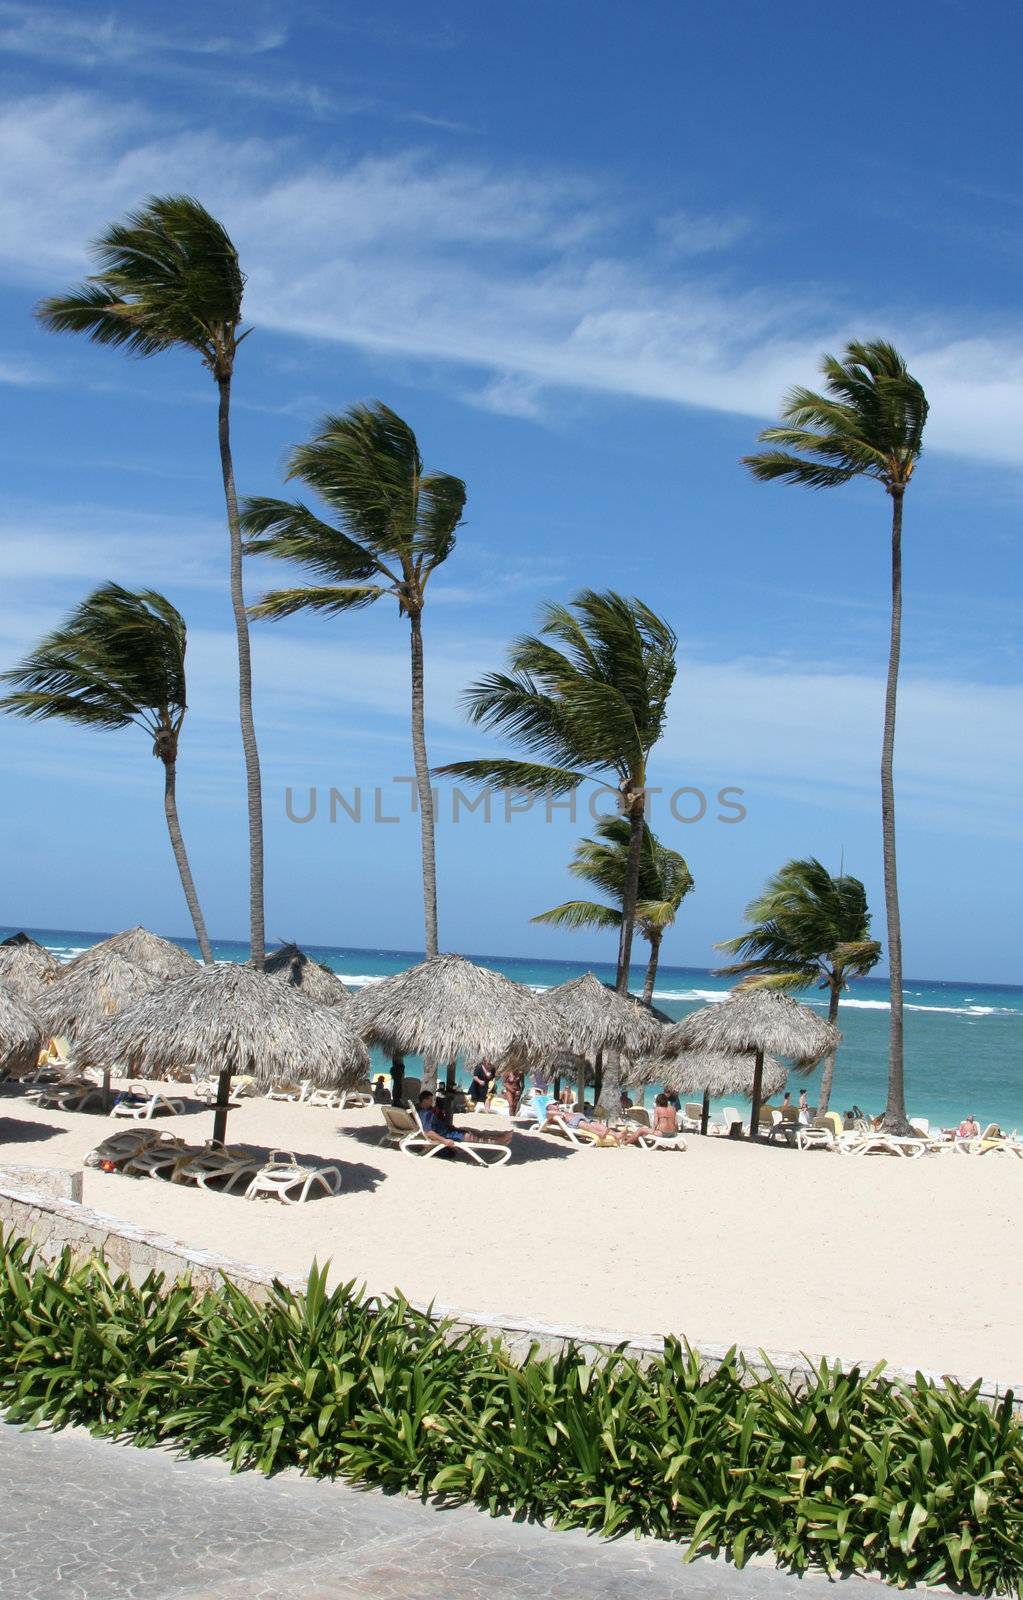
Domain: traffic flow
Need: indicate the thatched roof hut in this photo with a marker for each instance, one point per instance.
(143, 949)
(594, 1017)
(20, 1036)
(757, 1023)
(26, 966)
(85, 997)
(448, 1007)
(232, 1019)
(311, 978)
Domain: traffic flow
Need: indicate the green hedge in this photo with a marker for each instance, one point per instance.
(854, 1472)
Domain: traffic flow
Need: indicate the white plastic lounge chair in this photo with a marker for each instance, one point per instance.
(638, 1115)
(118, 1148)
(70, 1094)
(405, 1129)
(560, 1127)
(288, 1091)
(661, 1141)
(692, 1117)
(352, 1099)
(206, 1089)
(820, 1135)
(283, 1174)
(884, 1144)
(159, 1160)
(227, 1169)
(729, 1117)
(142, 1104)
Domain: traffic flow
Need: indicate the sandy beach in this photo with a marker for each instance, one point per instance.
(915, 1262)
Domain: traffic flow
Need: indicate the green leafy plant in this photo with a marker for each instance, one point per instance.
(848, 1471)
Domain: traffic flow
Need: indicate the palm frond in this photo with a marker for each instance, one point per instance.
(581, 914)
(288, 531)
(330, 600)
(529, 776)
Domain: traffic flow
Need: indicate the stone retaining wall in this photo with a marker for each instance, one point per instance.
(51, 1223)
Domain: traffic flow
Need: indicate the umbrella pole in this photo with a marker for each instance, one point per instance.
(758, 1079)
(449, 1078)
(221, 1107)
(397, 1079)
(581, 1084)
(705, 1113)
(106, 1088)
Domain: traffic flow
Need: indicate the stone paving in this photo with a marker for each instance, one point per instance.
(85, 1519)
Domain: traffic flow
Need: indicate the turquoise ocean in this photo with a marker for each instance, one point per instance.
(964, 1041)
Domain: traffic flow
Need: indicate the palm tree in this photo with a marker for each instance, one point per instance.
(591, 710)
(169, 279)
(868, 424)
(118, 661)
(394, 525)
(807, 928)
(664, 882)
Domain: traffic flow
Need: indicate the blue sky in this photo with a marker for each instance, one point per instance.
(583, 248)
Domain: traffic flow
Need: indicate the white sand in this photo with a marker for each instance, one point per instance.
(916, 1262)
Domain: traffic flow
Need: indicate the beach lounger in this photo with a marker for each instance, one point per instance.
(69, 1094)
(159, 1160)
(820, 1135)
(332, 1099)
(404, 1129)
(692, 1117)
(143, 1104)
(638, 1115)
(661, 1141)
(118, 1148)
(884, 1144)
(288, 1091)
(729, 1118)
(991, 1142)
(206, 1089)
(227, 1169)
(353, 1099)
(559, 1128)
(284, 1174)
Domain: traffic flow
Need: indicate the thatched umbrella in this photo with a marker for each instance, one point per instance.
(711, 1074)
(86, 996)
(595, 1019)
(144, 949)
(231, 1019)
(311, 978)
(758, 1022)
(20, 1037)
(448, 1007)
(26, 966)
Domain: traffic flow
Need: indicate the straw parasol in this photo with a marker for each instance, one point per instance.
(448, 1007)
(757, 1023)
(26, 966)
(711, 1074)
(231, 1019)
(594, 1019)
(86, 996)
(20, 1038)
(143, 949)
(311, 978)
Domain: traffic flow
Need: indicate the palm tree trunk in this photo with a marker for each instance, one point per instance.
(828, 1075)
(895, 1119)
(253, 781)
(426, 821)
(630, 893)
(170, 806)
(611, 1086)
(655, 937)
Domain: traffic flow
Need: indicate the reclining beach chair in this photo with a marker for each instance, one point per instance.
(289, 1091)
(820, 1135)
(118, 1148)
(159, 1159)
(227, 1169)
(143, 1104)
(692, 1117)
(559, 1128)
(730, 1118)
(991, 1142)
(353, 1099)
(405, 1129)
(283, 1174)
(73, 1092)
(661, 1141)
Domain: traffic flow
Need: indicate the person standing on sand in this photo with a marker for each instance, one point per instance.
(513, 1082)
(804, 1109)
(482, 1081)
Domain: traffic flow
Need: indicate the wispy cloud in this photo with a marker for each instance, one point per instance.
(84, 39)
(688, 233)
(522, 275)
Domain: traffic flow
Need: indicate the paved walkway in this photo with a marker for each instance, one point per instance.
(91, 1520)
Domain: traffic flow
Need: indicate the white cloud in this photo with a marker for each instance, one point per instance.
(687, 233)
(84, 40)
(518, 275)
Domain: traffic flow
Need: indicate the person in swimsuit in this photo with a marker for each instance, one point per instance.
(663, 1125)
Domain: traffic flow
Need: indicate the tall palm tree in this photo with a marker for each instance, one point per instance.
(664, 882)
(169, 279)
(869, 423)
(807, 928)
(117, 661)
(591, 710)
(394, 525)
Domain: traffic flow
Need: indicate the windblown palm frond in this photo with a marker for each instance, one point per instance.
(168, 275)
(118, 659)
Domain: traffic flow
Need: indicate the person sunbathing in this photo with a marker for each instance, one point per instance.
(968, 1128)
(437, 1127)
(562, 1110)
(663, 1125)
